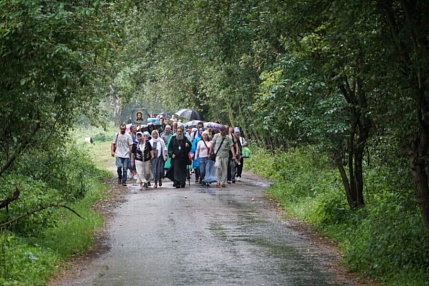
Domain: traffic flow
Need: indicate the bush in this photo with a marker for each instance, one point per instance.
(39, 239)
(102, 137)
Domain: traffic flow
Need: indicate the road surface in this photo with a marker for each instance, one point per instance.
(205, 236)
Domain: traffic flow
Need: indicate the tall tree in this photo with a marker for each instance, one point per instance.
(405, 32)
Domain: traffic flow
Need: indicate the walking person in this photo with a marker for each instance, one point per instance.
(121, 148)
(195, 160)
(160, 155)
(242, 143)
(178, 150)
(201, 153)
(222, 144)
(232, 163)
(142, 154)
(132, 170)
(166, 137)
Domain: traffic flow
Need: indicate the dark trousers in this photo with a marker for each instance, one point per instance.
(240, 167)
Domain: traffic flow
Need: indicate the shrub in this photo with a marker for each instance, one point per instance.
(102, 137)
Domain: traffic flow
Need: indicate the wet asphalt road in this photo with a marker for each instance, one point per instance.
(206, 236)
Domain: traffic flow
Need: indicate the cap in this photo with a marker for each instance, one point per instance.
(167, 127)
(146, 133)
(236, 129)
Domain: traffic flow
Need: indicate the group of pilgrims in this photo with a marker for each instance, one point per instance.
(150, 153)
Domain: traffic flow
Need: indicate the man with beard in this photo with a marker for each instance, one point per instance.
(121, 147)
(178, 150)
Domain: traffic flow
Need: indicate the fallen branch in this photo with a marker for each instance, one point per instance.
(40, 209)
(5, 203)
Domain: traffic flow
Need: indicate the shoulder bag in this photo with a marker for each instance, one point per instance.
(213, 155)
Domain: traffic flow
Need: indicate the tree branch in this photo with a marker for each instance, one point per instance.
(37, 210)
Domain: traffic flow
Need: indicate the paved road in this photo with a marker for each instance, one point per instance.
(206, 236)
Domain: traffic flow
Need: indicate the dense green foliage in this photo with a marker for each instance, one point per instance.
(375, 239)
(40, 240)
(342, 84)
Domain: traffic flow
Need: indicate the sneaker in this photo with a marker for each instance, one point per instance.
(239, 179)
(119, 181)
(229, 182)
(145, 185)
(124, 184)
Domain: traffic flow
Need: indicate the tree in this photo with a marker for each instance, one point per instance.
(405, 32)
(54, 57)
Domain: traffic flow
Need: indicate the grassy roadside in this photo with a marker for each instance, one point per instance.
(39, 246)
(385, 240)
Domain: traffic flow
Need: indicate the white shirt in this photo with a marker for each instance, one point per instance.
(123, 143)
(160, 146)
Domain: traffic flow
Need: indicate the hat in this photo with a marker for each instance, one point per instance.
(139, 133)
(167, 127)
(181, 126)
(206, 132)
(146, 133)
(236, 129)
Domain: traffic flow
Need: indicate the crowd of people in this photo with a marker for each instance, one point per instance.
(172, 150)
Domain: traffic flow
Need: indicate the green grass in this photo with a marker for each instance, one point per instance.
(385, 240)
(42, 256)
(73, 235)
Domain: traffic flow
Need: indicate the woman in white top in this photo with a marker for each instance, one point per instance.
(202, 152)
(159, 148)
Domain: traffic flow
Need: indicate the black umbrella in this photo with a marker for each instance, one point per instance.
(189, 114)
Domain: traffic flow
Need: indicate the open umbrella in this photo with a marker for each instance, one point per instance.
(189, 114)
(191, 124)
(212, 125)
(153, 120)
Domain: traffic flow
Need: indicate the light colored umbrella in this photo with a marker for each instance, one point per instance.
(212, 125)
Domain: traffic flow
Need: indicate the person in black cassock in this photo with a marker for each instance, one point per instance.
(178, 150)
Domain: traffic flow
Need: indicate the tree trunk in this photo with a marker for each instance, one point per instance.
(360, 124)
(345, 180)
(417, 152)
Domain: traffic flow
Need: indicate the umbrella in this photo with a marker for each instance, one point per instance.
(153, 120)
(191, 124)
(212, 125)
(189, 114)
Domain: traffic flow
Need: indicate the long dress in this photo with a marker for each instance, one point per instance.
(157, 165)
(210, 176)
(178, 172)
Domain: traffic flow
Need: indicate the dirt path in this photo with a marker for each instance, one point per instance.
(204, 236)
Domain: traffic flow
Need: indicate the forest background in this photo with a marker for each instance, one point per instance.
(332, 96)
